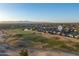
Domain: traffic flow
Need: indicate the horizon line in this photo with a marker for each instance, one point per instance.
(36, 21)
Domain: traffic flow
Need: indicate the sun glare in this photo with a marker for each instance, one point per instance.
(3, 16)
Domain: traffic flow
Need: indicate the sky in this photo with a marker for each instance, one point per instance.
(39, 12)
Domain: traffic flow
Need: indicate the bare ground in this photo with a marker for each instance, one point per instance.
(6, 50)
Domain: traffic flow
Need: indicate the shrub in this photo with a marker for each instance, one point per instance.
(17, 35)
(23, 52)
(56, 38)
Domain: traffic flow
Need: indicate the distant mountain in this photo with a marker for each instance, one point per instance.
(14, 21)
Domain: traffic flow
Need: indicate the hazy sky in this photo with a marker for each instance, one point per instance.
(40, 12)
